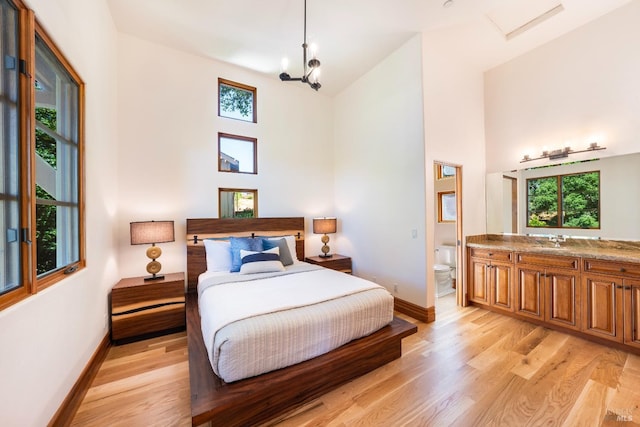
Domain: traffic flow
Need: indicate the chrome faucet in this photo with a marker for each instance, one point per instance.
(557, 240)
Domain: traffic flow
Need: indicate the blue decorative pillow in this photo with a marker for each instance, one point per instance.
(285, 254)
(260, 262)
(242, 243)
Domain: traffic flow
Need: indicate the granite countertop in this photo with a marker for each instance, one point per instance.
(612, 250)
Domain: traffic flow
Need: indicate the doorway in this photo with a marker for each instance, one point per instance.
(447, 235)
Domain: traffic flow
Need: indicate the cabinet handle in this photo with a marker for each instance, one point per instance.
(509, 256)
(619, 287)
(490, 254)
(628, 288)
(622, 269)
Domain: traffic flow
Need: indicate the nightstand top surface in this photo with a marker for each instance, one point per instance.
(131, 282)
(333, 257)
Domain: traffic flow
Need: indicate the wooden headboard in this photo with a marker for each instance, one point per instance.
(202, 228)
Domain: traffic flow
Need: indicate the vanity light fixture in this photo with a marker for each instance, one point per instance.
(311, 69)
(561, 153)
(152, 232)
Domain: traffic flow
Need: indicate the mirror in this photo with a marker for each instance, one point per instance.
(506, 197)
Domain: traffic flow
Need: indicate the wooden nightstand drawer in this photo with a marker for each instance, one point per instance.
(336, 262)
(139, 308)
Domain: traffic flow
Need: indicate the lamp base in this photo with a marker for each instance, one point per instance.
(325, 255)
(154, 277)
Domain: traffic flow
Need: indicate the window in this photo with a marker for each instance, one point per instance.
(447, 206)
(237, 203)
(236, 101)
(41, 111)
(237, 154)
(445, 171)
(564, 201)
(10, 192)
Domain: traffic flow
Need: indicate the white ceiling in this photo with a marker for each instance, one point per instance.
(352, 35)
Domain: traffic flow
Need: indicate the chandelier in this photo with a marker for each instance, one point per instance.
(311, 69)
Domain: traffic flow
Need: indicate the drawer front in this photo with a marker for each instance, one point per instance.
(491, 254)
(625, 269)
(125, 299)
(341, 265)
(572, 263)
(156, 319)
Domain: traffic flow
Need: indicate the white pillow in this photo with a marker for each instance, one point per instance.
(291, 243)
(218, 255)
(261, 262)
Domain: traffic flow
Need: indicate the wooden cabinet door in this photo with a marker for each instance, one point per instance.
(562, 298)
(602, 308)
(479, 281)
(501, 285)
(632, 312)
(530, 292)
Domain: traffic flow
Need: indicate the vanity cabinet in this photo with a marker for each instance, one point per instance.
(611, 293)
(491, 278)
(547, 288)
(561, 289)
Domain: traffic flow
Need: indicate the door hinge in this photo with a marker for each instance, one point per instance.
(23, 68)
(25, 235)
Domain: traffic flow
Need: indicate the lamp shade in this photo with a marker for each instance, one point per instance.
(151, 232)
(324, 225)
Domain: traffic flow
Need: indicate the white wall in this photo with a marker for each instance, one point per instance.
(579, 88)
(168, 127)
(47, 339)
(454, 134)
(379, 173)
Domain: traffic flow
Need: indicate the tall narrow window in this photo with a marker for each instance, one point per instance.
(57, 163)
(10, 224)
(41, 160)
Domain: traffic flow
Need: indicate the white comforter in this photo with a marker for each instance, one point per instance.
(302, 285)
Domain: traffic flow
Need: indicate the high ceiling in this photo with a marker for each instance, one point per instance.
(352, 35)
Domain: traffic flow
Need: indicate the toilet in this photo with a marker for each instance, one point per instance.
(445, 269)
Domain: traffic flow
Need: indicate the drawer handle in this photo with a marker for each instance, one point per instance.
(619, 287)
(622, 269)
(628, 288)
(490, 254)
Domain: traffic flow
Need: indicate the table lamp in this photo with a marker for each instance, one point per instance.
(324, 226)
(152, 232)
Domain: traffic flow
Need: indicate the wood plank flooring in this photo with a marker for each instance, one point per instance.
(471, 367)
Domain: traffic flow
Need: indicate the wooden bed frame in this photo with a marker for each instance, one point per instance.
(264, 397)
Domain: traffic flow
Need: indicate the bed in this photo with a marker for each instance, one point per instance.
(237, 400)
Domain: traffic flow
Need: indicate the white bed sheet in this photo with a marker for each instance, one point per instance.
(283, 337)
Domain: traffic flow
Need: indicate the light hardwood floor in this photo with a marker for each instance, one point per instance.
(471, 367)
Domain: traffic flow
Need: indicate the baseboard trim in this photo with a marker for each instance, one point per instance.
(67, 410)
(426, 315)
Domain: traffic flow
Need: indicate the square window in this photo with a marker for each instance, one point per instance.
(236, 101)
(237, 154)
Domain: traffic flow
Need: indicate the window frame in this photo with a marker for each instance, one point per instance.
(560, 201)
(28, 28)
(253, 141)
(238, 190)
(239, 86)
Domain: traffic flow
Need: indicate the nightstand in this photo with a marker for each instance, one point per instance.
(140, 307)
(335, 262)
